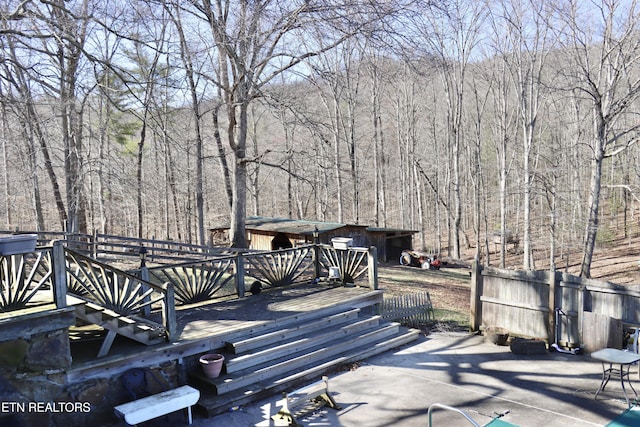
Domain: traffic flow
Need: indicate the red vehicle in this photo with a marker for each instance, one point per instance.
(420, 259)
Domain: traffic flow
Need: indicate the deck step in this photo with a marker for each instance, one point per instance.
(361, 301)
(294, 362)
(285, 346)
(212, 404)
(130, 327)
(291, 331)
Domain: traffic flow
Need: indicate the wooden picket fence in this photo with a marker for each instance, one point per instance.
(409, 309)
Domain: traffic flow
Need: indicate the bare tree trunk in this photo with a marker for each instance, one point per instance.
(591, 230)
(31, 161)
(224, 166)
(378, 150)
(140, 156)
(70, 44)
(255, 175)
(173, 190)
(187, 60)
(5, 165)
(32, 121)
(376, 154)
(338, 169)
(239, 207)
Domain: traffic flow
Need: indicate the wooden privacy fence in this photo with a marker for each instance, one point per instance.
(409, 309)
(584, 313)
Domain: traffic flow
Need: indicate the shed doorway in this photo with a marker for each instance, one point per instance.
(280, 241)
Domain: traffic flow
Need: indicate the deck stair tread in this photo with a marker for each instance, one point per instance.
(213, 403)
(132, 327)
(304, 312)
(256, 341)
(293, 362)
(286, 345)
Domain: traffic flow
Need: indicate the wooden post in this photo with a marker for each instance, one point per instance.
(240, 275)
(59, 274)
(372, 263)
(169, 313)
(316, 260)
(551, 332)
(93, 245)
(580, 309)
(144, 275)
(476, 293)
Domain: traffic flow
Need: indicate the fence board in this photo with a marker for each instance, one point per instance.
(519, 302)
(409, 309)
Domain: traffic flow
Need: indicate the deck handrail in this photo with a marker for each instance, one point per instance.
(117, 290)
(280, 267)
(75, 271)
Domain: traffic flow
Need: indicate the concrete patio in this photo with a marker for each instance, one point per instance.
(486, 381)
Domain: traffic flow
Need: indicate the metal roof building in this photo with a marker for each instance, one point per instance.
(268, 233)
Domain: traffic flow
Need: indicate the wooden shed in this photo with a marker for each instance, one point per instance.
(267, 233)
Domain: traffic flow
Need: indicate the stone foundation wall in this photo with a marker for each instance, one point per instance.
(34, 392)
(32, 370)
(103, 394)
(35, 355)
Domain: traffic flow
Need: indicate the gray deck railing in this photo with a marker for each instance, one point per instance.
(56, 270)
(26, 280)
(117, 290)
(197, 281)
(223, 276)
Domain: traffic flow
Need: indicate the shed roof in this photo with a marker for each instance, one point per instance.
(292, 226)
(305, 227)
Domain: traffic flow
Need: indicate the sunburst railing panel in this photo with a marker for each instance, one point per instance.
(198, 281)
(280, 268)
(118, 290)
(22, 277)
(352, 263)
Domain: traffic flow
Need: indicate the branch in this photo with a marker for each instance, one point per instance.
(626, 187)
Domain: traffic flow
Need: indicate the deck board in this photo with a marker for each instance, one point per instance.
(207, 326)
(259, 310)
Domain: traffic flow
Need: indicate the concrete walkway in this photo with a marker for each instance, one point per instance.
(464, 371)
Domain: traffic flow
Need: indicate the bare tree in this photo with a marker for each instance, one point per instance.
(452, 34)
(187, 58)
(146, 62)
(603, 48)
(255, 42)
(19, 95)
(374, 65)
(527, 44)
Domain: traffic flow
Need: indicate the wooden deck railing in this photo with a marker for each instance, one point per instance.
(198, 280)
(119, 291)
(353, 263)
(222, 276)
(59, 269)
(26, 280)
(280, 268)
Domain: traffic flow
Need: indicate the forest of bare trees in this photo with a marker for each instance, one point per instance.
(462, 119)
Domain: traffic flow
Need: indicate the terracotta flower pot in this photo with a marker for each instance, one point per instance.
(212, 364)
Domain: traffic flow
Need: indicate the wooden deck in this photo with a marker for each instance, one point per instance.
(209, 326)
(256, 311)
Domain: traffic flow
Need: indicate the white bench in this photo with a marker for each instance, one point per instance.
(156, 405)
